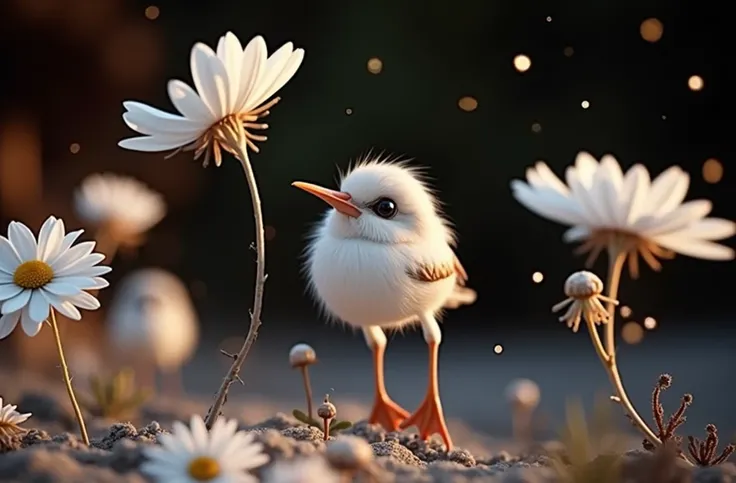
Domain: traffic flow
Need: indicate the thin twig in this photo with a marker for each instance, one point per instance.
(233, 374)
(68, 380)
(616, 260)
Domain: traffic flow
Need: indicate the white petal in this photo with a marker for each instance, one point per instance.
(82, 282)
(709, 229)
(210, 79)
(606, 195)
(82, 267)
(9, 258)
(30, 327)
(85, 301)
(253, 62)
(23, 240)
(200, 435)
(634, 201)
(152, 144)
(550, 179)
(9, 290)
(675, 220)
(547, 203)
(586, 200)
(668, 190)
(279, 69)
(17, 302)
(230, 53)
(576, 233)
(95, 271)
(66, 243)
(72, 256)
(188, 102)
(151, 121)
(695, 248)
(38, 308)
(8, 323)
(585, 167)
(48, 246)
(62, 289)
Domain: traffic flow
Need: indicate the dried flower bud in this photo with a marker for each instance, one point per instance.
(302, 355)
(327, 410)
(711, 429)
(665, 381)
(583, 285)
(349, 453)
(523, 393)
(687, 399)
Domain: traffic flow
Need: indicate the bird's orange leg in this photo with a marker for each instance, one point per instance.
(429, 418)
(385, 411)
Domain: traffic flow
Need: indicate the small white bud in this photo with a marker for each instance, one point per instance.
(302, 355)
(349, 453)
(583, 285)
(523, 393)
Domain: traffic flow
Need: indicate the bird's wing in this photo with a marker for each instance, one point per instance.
(426, 271)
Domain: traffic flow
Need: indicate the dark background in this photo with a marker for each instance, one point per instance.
(69, 64)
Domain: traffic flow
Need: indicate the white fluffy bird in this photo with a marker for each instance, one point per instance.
(153, 320)
(383, 259)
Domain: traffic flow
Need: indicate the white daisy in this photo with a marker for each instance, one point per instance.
(231, 84)
(312, 469)
(122, 206)
(9, 417)
(222, 455)
(625, 212)
(37, 275)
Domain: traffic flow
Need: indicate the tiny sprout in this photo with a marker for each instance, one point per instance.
(116, 396)
(350, 455)
(302, 356)
(523, 396)
(327, 411)
(704, 452)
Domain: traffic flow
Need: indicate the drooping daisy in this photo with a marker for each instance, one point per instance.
(194, 455)
(122, 206)
(231, 85)
(37, 275)
(10, 421)
(584, 292)
(628, 213)
(312, 469)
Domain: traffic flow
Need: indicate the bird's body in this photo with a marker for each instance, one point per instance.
(383, 259)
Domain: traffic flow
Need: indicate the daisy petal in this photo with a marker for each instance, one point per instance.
(66, 243)
(16, 303)
(188, 102)
(695, 248)
(61, 305)
(149, 120)
(9, 290)
(72, 257)
(210, 79)
(547, 203)
(152, 144)
(62, 289)
(38, 308)
(676, 219)
(85, 301)
(30, 327)
(253, 62)
(23, 240)
(83, 283)
(8, 323)
(709, 229)
(9, 259)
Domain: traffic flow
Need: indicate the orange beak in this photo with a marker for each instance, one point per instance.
(336, 199)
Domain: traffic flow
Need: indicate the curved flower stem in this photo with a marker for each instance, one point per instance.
(68, 379)
(616, 260)
(255, 316)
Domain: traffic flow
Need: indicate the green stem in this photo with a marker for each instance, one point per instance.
(68, 379)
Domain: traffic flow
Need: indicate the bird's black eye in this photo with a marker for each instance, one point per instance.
(385, 208)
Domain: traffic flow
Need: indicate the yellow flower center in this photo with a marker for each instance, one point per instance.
(204, 468)
(33, 274)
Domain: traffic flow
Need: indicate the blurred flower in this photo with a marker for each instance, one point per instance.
(584, 295)
(192, 455)
(231, 84)
(37, 275)
(301, 470)
(625, 212)
(523, 393)
(10, 420)
(152, 317)
(123, 207)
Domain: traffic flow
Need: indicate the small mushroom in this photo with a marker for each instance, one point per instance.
(350, 455)
(523, 396)
(327, 412)
(302, 356)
